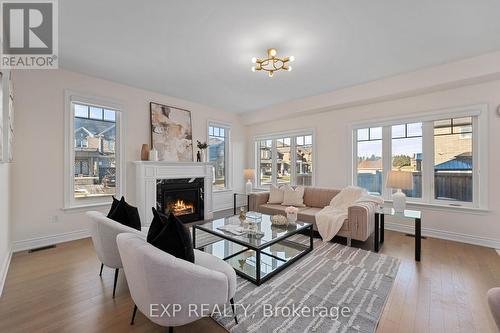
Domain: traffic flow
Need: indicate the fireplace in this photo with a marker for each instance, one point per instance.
(183, 197)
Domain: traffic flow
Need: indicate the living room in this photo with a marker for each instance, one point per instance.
(332, 166)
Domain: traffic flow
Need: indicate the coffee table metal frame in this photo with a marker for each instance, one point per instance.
(258, 280)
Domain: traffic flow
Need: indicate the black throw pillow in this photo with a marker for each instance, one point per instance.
(156, 225)
(126, 214)
(114, 204)
(174, 238)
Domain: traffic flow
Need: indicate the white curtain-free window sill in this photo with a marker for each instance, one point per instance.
(221, 190)
(86, 206)
(443, 207)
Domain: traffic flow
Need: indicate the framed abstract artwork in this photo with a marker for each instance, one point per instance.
(171, 133)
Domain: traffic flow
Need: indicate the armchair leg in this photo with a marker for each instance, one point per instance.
(133, 315)
(349, 241)
(100, 272)
(116, 279)
(234, 313)
(170, 329)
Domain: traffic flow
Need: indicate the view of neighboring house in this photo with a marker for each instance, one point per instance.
(452, 164)
(95, 165)
(286, 170)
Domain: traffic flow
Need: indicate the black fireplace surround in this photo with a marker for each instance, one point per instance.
(183, 197)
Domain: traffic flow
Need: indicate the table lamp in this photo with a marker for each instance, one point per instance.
(249, 175)
(399, 180)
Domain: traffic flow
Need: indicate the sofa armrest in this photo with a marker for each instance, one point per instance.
(362, 220)
(256, 199)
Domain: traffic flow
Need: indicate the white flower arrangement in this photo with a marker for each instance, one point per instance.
(291, 214)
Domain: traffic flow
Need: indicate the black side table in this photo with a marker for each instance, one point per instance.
(414, 215)
(235, 195)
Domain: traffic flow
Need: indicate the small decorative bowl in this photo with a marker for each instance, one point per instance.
(279, 220)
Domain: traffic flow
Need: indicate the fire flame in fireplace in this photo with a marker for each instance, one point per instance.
(182, 208)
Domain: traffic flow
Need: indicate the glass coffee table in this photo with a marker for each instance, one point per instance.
(256, 259)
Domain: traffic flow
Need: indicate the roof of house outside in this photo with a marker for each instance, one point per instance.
(370, 164)
(455, 164)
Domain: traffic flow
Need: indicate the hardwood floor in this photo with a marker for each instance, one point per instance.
(59, 290)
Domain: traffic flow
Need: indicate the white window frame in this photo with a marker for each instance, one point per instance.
(227, 153)
(479, 114)
(70, 97)
(293, 146)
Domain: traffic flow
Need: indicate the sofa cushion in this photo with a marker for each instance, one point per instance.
(276, 194)
(318, 197)
(294, 197)
(272, 209)
(308, 214)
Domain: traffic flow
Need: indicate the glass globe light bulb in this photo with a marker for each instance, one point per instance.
(253, 68)
(289, 68)
(291, 58)
(254, 60)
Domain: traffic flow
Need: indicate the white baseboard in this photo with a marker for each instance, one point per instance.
(34, 243)
(448, 235)
(4, 269)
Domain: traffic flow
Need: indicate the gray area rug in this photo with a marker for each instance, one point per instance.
(329, 280)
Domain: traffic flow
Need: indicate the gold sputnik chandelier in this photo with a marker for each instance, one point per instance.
(272, 63)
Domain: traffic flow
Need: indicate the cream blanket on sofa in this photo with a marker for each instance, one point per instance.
(330, 219)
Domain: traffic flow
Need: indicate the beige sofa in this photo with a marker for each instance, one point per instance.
(359, 224)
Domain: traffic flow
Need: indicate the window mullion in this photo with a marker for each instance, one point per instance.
(274, 162)
(386, 158)
(428, 161)
(293, 160)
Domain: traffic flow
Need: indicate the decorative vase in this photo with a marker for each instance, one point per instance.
(145, 152)
(203, 155)
(153, 155)
(291, 217)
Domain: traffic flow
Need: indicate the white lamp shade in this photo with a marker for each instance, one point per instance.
(249, 174)
(400, 180)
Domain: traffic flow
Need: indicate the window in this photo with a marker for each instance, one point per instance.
(453, 159)
(407, 154)
(303, 153)
(285, 159)
(441, 152)
(92, 152)
(369, 165)
(265, 167)
(218, 140)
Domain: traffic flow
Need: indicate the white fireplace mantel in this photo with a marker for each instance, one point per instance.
(147, 173)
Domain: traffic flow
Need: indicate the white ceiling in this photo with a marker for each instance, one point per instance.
(201, 50)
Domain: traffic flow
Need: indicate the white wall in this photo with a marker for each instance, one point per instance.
(5, 241)
(334, 152)
(37, 171)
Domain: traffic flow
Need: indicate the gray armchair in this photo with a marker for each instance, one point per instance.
(104, 231)
(156, 277)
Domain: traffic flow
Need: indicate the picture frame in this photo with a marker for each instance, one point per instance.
(171, 133)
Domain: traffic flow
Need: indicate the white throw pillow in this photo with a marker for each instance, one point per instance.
(276, 195)
(294, 197)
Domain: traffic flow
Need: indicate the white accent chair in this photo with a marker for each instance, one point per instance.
(104, 231)
(156, 278)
